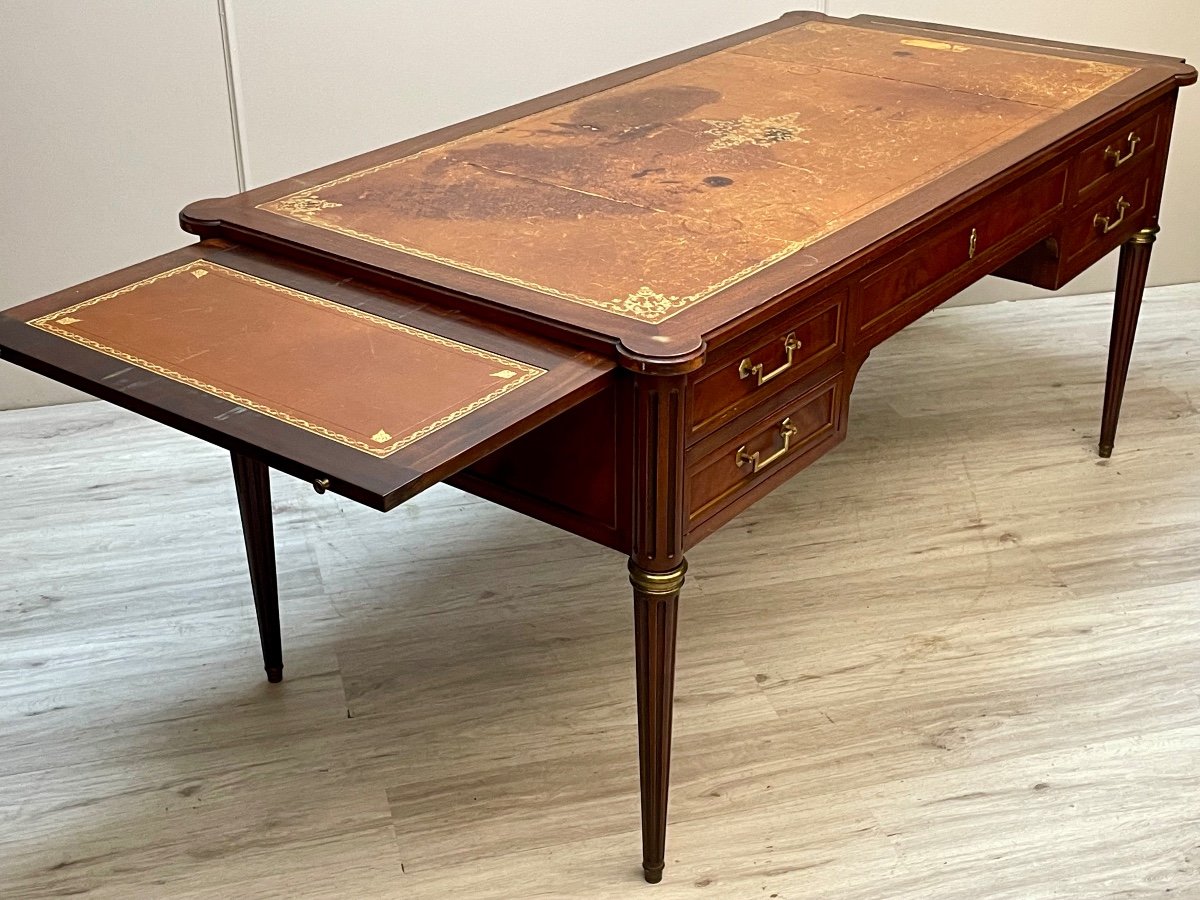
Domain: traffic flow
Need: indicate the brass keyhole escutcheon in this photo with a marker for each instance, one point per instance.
(973, 245)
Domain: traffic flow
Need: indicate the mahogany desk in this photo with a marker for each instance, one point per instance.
(633, 307)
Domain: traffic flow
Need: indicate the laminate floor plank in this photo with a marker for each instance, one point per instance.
(970, 672)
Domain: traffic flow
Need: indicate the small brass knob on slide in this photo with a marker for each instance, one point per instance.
(321, 485)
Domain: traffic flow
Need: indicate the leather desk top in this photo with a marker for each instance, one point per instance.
(358, 379)
(375, 393)
(717, 176)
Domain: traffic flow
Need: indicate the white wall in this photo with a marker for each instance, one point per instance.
(113, 114)
(323, 80)
(116, 113)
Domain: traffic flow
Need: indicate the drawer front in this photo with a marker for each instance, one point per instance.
(761, 450)
(1118, 151)
(774, 357)
(968, 238)
(1098, 227)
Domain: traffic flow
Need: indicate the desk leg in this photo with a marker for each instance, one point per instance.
(655, 610)
(1131, 282)
(253, 481)
(656, 567)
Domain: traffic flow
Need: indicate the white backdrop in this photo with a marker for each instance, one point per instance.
(116, 113)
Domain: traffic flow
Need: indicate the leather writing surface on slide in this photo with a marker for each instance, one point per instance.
(352, 377)
(650, 197)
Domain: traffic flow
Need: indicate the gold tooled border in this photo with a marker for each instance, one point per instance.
(524, 372)
(643, 304)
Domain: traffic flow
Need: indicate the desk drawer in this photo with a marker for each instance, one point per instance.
(969, 238)
(773, 357)
(1096, 228)
(1121, 149)
(764, 449)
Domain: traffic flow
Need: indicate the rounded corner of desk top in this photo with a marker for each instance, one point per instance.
(361, 380)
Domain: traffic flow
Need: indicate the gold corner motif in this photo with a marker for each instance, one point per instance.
(304, 205)
(648, 304)
(381, 437)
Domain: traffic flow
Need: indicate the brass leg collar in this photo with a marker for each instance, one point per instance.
(657, 582)
(1145, 236)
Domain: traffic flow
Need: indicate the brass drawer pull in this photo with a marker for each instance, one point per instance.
(1119, 159)
(1107, 224)
(747, 368)
(787, 431)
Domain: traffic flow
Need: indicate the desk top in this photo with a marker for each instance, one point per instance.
(702, 184)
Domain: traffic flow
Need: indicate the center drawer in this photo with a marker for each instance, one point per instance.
(945, 256)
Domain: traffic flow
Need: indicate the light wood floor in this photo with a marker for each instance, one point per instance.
(976, 676)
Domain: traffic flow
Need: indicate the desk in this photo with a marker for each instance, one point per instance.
(634, 307)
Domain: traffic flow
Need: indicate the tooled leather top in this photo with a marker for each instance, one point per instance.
(648, 198)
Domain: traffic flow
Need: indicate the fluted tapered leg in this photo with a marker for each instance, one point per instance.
(655, 611)
(656, 567)
(1131, 283)
(253, 482)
